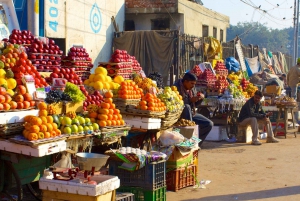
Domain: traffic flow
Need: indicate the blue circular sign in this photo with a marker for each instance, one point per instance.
(95, 19)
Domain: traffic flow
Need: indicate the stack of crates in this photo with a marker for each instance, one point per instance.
(124, 196)
(147, 183)
(183, 176)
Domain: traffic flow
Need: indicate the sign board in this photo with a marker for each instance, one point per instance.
(240, 53)
(55, 26)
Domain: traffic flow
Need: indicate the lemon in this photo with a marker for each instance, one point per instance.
(91, 84)
(3, 82)
(11, 83)
(118, 79)
(106, 85)
(91, 77)
(10, 92)
(98, 85)
(99, 77)
(101, 70)
(108, 79)
(2, 73)
(86, 82)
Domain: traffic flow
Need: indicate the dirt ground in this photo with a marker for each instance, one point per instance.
(240, 171)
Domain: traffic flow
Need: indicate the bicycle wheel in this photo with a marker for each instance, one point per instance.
(7, 187)
(34, 190)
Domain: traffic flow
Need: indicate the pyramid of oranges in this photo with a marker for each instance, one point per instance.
(152, 103)
(107, 114)
(40, 127)
(130, 90)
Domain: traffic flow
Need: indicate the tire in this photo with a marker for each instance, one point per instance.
(34, 190)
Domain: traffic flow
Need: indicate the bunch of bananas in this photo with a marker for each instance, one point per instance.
(234, 78)
(92, 108)
(71, 114)
(251, 89)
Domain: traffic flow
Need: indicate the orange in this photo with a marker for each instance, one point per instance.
(43, 128)
(144, 107)
(112, 106)
(93, 115)
(32, 136)
(118, 123)
(58, 132)
(108, 123)
(49, 127)
(116, 111)
(28, 118)
(102, 123)
(108, 94)
(54, 125)
(122, 122)
(36, 121)
(34, 129)
(42, 106)
(120, 116)
(109, 117)
(111, 111)
(93, 120)
(105, 105)
(103, 111)
(27, 125)
(108, 100)
(47, 135)
(25, 133)
(115, 117)
(113, 122)
(49, 119)
(53, 133)
(103, 117)
(44, 119)
(43, 113)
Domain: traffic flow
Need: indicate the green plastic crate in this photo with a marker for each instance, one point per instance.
(141, 194)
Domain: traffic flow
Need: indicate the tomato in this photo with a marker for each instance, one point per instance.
(23, 55)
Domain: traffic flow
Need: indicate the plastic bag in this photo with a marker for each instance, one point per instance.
(65, 161)
(232, 64)
(169, 138)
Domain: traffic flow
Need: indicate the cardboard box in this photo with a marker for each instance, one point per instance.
(244, 134)
(76, 107)
(217, 133)
(273, 89)
(177, 160)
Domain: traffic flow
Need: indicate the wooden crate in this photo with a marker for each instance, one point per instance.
(59, 196)
(76, 107)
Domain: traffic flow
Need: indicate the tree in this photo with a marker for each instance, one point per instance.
(273, 40)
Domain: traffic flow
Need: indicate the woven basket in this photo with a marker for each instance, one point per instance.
(145, 113)
(10, 130)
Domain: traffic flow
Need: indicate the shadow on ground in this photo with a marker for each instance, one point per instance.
(264, 194)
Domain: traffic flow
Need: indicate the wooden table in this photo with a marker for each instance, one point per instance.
(285, 110)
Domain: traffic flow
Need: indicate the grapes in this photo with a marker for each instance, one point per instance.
(74, 92)
(55, 96)
(158, 78)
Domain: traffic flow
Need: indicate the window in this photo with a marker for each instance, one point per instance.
(215, 32)
(129, 25)
(160, 24)
(204, 31)
(221, 36)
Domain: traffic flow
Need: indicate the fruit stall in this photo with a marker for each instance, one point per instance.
(69, 132)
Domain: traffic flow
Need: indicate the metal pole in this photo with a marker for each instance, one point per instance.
(33, 16)
(297, 30)
(294, 46)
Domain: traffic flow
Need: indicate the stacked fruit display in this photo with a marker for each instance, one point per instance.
(207, 79)
(74, 92)
(157, 77)
(234, 78)
(145, 83)
(72, 125)
(67, 73)
(151, 102)
(20, 37)
(79, 60)
(120, 56)
(221, 69)
(41, 127)
(14, 65)
(121, 64)
(172, 99)
(95, 99)
(221, 83)
(106, 114)
(136, 67)
(244, 84)
(235, 91)
(129, 90)
(196, 70)
(100, 80)
(20, 100)
(251, 89)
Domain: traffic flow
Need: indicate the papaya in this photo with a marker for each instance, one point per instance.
(56, 120)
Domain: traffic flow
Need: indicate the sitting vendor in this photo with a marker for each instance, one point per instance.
(186, 88)
(252, 114)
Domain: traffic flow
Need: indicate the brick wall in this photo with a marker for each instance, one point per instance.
(150, 3)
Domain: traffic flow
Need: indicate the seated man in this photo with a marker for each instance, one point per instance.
(252, 114)
(186, 89)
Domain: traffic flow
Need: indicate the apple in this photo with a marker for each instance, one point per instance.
(56, 70)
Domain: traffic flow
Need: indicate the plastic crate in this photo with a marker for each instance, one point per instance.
(151, 177)
(181, 178)
(124, 196)
(141, 194)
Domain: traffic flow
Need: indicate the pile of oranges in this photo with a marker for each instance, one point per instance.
(107, 114)
(152, 103)
(130, 90)
(40, 127)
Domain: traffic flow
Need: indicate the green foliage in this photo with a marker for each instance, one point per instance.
(74, 92)
(273, 40)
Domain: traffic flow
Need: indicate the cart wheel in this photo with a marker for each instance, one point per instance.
(13, 172)
(34, 190)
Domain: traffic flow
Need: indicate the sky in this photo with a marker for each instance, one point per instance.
(276, 16)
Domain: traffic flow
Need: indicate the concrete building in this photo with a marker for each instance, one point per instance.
(190, 17)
